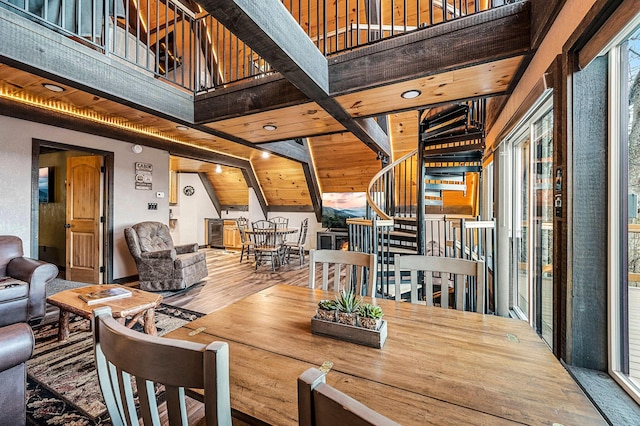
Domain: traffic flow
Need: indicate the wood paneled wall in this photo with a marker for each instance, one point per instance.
(344, 164)
(283, 182)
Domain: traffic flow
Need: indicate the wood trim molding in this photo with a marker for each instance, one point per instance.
(616, 23)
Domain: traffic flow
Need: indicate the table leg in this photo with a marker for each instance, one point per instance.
(150, 322)
(63, 326)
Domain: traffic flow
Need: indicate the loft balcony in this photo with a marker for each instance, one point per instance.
(182, 43)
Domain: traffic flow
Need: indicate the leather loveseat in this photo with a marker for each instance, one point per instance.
(22, 283)
(161, 265)
(16, 347)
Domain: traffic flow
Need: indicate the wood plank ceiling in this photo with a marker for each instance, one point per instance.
(342, 162)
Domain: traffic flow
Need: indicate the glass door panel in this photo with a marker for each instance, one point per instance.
(632, 290)
(543, 222)
(521, 227)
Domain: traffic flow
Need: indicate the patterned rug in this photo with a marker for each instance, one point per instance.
(62, 385)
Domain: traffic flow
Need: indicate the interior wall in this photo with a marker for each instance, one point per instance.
(130, 206)
(191, 211)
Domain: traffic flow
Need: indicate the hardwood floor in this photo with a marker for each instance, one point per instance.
(229, 281)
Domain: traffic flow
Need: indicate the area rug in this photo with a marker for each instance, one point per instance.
(62, 384)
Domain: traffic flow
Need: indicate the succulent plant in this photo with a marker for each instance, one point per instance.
(347, 301)
(327, 305)
(368, 310)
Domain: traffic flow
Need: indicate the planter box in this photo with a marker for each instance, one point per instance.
(349, 333)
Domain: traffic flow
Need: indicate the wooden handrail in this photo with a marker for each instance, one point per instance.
(377, 176)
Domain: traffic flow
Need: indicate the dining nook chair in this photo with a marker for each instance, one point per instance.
(245, 242)
(320, 404)
(296, 248)
(265, 243)
(464, 278)
(350, 269)
(124, 356)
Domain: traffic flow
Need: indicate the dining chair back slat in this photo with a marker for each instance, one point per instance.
(123, 355)
(466, 277)
(320, 404)
(363, 264)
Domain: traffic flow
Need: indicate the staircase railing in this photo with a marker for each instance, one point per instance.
(391, 192)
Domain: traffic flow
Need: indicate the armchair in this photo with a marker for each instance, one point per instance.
(161, 265)
(16, 347)
(22, 283)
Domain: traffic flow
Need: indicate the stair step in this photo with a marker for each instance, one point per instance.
(447, 114)
(453, 169)
(446, 186)
(432, 193)
(469, 134)
(432, 202)
(448, 128)
(445, 176)
(460, 157)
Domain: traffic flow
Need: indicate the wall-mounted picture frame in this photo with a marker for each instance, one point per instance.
(45, 185)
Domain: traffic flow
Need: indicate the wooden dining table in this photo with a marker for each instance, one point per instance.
(437, 366)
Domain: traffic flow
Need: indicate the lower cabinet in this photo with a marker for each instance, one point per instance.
(231, 235)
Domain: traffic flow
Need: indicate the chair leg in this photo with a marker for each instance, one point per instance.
(242, 254)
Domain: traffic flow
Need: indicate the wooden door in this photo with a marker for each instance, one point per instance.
(83, 219)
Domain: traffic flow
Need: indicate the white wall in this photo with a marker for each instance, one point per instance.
(129, 204)
(191, 211)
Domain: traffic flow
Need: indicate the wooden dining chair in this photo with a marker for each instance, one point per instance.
(319, 404)
(343, 263)
(265, 243)
(296, 248)
(124, 356)
(467, 278)
(245, 241)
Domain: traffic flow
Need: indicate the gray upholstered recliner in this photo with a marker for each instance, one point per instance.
(16, 347)
(22, 283)
(161, 265)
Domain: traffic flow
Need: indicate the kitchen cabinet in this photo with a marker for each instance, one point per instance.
(231, 235)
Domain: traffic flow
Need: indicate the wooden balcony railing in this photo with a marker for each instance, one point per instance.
(180, 42)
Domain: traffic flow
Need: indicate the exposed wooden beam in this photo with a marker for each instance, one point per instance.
(291, 149)
(264, 94)
(211, 192)
(252, 182)
(272, 32)
(483, 37)
(312, 184)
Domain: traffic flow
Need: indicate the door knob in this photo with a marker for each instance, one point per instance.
(67, 225)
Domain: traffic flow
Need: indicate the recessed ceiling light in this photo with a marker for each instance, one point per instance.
(53, 87)
(269, 127)
(180, 127)
(410, 94)
(265, 154)
(218, 168)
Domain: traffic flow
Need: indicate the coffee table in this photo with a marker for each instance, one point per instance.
(139, 308)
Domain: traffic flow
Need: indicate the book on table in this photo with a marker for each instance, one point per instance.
(105, 295)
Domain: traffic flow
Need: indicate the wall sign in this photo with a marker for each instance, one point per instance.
(143, 178)
(188, 190)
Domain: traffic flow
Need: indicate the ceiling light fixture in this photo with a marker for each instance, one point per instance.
(410, 94)
(265, 154)
(52, 87)
(218, 168)
(269, 127)
(181, 127)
